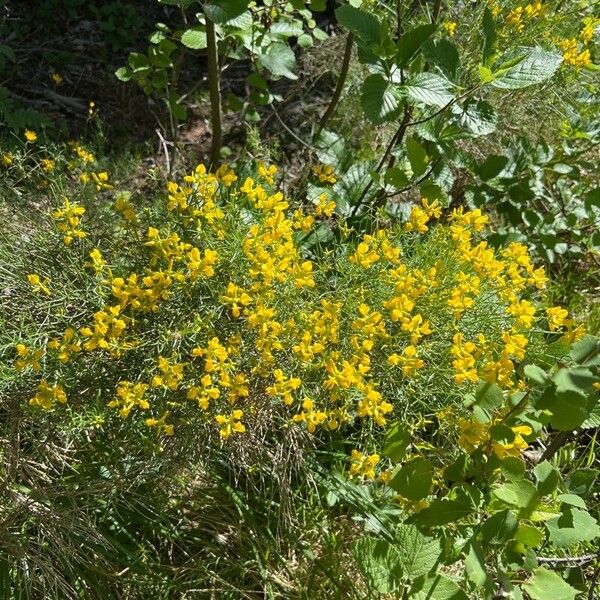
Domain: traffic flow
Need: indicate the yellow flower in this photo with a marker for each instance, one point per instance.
(310, 416)
(38, 284)
(325, 206)
(363, 465)
(231, 423)
(47, 395)
(450, 27)
(48, 164)
(128, 395)
(523, 311)
(556, 316)
(57, 78)
(7, 159)
(324, 173)
(30, 136)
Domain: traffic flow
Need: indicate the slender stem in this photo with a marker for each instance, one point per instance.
(340, 83)
(215, 93)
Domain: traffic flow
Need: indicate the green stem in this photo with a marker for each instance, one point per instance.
(340, 83)
(215, 93)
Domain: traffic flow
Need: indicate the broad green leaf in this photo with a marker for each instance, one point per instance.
(410, 43)
(513, 468)
(477, 116)
(396, 442)
(416, 156)
(489, 397)
(572, 500)
(489, 35)
(586, 351)
(194, 38)
(380, 100)
(576, 379)
(569, 410)
(571, 527)
(221, 11)
(547, 585)
(429, 89)
(521, 494)
(280, 60)
(413, 480)
(593, 419)
(417, 553)
(437, 587)
(499, 528)
(378, 562)
(440, 512)
(475, 564)
(581, 482)
(547, 478)
(529, 536)
(537, 66)
(362, 24)
(535, 374)
(444, 55)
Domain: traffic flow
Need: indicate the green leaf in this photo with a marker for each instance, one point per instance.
(581, 482)
(416, 156)
(396, 442)
(379, 563)
(413, 480)
(221, 11)
(547, 478)
(489, 35)
(429, 89)
(279, 59)
(529, 536)
(123, 74)
(475, 564)
(576, 379)
(572, 500)
(521, 494)
(410, 43)
(362, 24)
(438, 587)
(194, 38)
(380, 100)
(513, 468)
(547, 585)
(491, 167)
(593, 419)
(477, 116)
(444, 55)
(417, 553)
(489, 397)
(586, 351)
(569, 410)
(537, 66)
(572, 527)
(535, 374)
(440, 512)
(499, 528)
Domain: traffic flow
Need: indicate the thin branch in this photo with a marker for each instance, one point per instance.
(215, 93)
(340, 83)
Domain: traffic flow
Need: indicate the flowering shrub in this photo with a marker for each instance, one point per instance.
(246, 318)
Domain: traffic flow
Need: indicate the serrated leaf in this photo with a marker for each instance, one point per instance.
(475, 564)
(221, 11)
(535, 374)
(477, 116)
(416, 156)
(441, 512)
(194, 38)
(444, 55)
(362, 24)
(378, 562)
(576, 379)
(586, 351)
(521, 494)
(417, 553)
(438, 587)
(413, 480)
(279, 59)
(429, 89)
(410, 43)
(571, 527)
(547, 478)
(537, 66)
(380, 100)
(499, 528)
(547, 585)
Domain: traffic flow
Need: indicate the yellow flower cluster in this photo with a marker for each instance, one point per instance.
(324, 173)
(363, 465)
(518, 16)
(247, 317)
(68, 221)
(474, 435)
(573, 55)
(47, 395)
